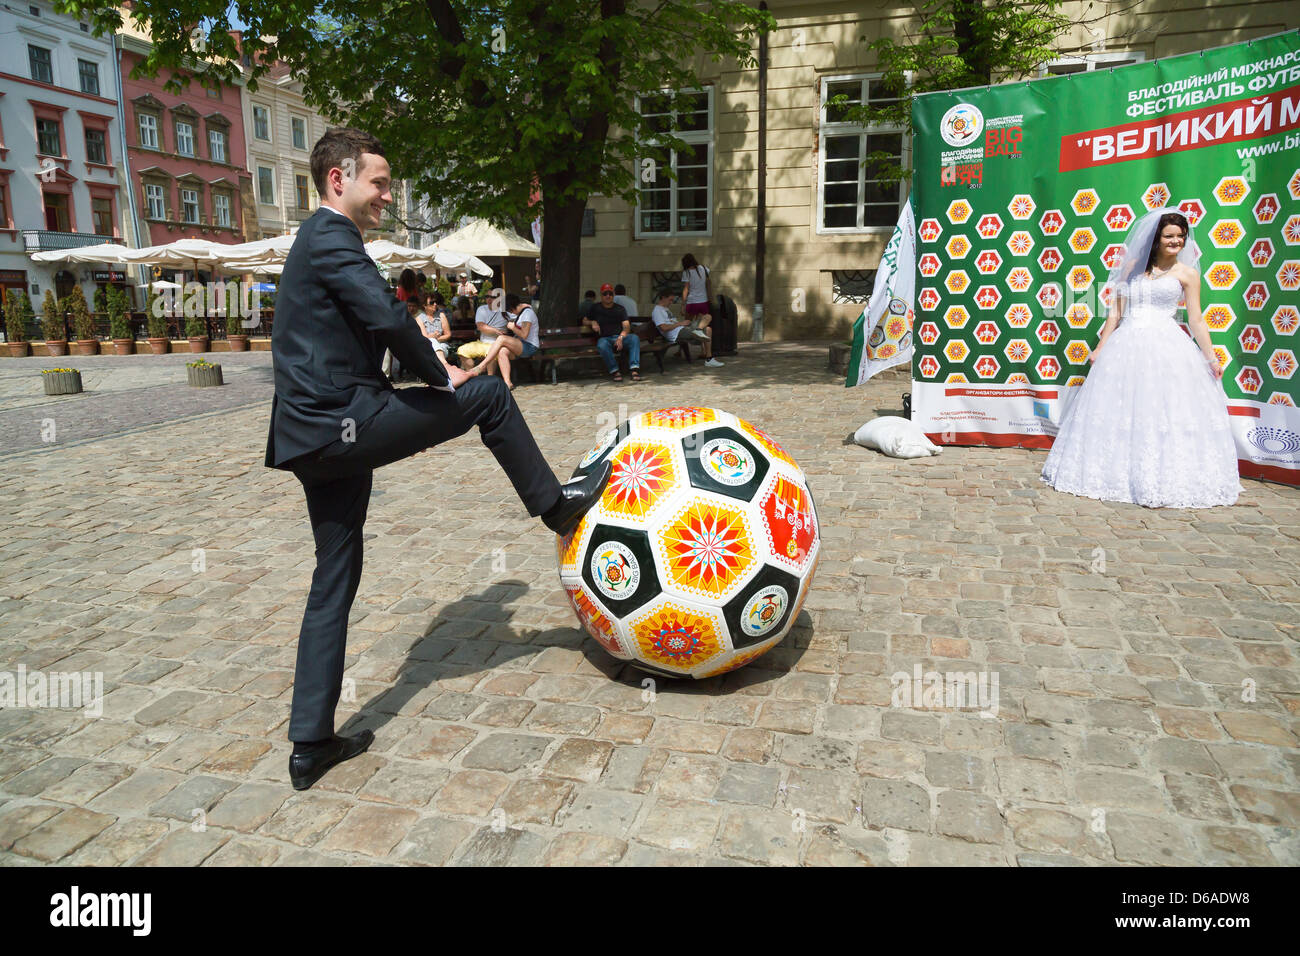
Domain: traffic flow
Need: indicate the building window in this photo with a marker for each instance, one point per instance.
(853, 196)
(89, 72)
(47, 137)
(217, 145)
(266, 185)
(56, 212)
(95, 147)
(190, 205)
(101, 211)
(148, 130)
(153, 195)
(299, 132)
(185, 139)
(262, 123)
(300, 188)
(1088, 62)
(221, 209)
(676, 187)
(38, 58)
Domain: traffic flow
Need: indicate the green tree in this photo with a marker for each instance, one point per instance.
(953, 44)
(118, 322)
(52, 318)
(476, 104)
(15, 326)
(83, 323)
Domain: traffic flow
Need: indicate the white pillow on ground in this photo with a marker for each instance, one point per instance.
(896, 437)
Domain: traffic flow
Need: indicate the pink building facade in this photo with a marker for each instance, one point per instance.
(187, 157)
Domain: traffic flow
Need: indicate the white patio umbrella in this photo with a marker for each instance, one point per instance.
(480, 238)
(100, 252)
(182, 252)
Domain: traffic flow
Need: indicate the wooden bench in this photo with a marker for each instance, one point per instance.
(579, 342)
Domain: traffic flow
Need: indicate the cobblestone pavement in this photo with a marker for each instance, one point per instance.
(1146, 714)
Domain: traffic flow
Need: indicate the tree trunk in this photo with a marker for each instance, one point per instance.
(561, 258)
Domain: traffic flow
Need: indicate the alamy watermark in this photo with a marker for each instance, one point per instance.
(218, 299)
(949, 690)
(74, 689)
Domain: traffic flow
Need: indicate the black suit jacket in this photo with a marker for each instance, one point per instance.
(334, 316)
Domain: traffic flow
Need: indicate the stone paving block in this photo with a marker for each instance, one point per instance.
(624, 728)
(551, 718)
(244, 853)
(1021, 778)
(946, 851)
(370, 830)
(404, 783)
(141, 789)
(502, 712)
(502, 847)
(1198, 797)
(686, 736)
(634, 769)
(1049, 831)
(582, 760)
(1147, 840)
(961, 771)
(120, 843)
(971, 816)
(1104, 788)
(433, 840)
(536, 800)
(304, 818)
(505, 752)
(247, 807)
(183, 847)
(1276, 808)
(762, 836)
(62, 834)
(471, 792)
(87, 782)
(605, 812)
(1234, 846)
(584, 849)
(749, 784)
(748, 744)
(680, 824)
(45, 774)
(196, 795)
(1257, 728)
(436, 742)
(829, 846)
(894, 803)
(17, 822)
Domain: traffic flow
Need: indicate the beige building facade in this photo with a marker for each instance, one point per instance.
(280, 130)
(827, 221)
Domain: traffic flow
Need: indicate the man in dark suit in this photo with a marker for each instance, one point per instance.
(335, 418)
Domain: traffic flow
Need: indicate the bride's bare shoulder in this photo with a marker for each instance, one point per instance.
(1185, 273)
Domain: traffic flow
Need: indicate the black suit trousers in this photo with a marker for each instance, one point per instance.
(337, 481)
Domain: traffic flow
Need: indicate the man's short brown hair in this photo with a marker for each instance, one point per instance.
(339, 145)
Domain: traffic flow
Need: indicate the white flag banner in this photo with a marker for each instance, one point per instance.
(882, 334)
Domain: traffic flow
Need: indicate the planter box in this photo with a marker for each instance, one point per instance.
(62, 383)
(56, 347)
(124, 346)
(204, 377)
(85, 347)
(159, 345)
(839, 358)
(17, 349)
(198, 343)
(238, 343)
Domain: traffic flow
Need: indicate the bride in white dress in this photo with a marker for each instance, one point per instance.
(1149, 425)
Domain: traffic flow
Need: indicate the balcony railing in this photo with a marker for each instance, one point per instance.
(43, 240)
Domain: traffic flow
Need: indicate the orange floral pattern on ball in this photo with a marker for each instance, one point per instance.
(674, 638)
(642, 473)
(707, 548)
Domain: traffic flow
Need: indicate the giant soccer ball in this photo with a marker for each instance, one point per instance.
(702, 548)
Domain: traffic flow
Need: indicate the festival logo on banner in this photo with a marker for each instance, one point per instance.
(1022, 221)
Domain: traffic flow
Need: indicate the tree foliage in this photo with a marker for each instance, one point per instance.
(954, 44)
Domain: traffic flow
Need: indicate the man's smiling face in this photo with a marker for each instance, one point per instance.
(367, 193)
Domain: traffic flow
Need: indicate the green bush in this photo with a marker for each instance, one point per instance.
(15, 323)
(118, 323)
(83, 323)
(52, 319)
(155, 315)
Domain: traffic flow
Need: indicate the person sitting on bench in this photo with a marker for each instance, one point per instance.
(520, 339)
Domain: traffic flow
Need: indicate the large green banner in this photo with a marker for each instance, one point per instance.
(1023, 194)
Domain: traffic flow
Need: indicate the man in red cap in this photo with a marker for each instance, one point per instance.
(610, 321)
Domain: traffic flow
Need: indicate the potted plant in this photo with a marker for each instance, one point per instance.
(61, 381)
(236, 334)
(203, 373)
(83, 324)
(196, 326)
(56, 335)
(156, 323)
(119, 323)
(15, 325)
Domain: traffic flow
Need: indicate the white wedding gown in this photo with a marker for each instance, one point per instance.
(1149, 425)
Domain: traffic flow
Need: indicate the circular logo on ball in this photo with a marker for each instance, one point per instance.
(905, 342)
(615, 570)
(728, 461)
(877, 336)
(764, 610)
(599, 449)
(897, 307)
(961, 125)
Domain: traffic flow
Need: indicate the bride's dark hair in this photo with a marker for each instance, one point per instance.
(1168, 219)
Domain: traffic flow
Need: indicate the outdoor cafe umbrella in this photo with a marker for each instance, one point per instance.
(100, 252)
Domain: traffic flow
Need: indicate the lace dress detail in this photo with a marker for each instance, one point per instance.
(1149, 425)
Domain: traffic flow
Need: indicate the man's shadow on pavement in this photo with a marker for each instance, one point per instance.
(428, 658)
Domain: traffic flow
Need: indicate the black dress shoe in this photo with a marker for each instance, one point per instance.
(576, 498)
(306, 768)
